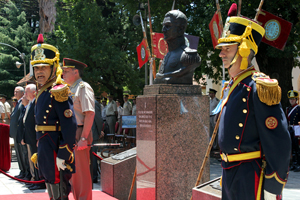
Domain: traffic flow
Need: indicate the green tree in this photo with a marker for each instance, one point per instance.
(14, 31)
(275, 63)
(101, 34)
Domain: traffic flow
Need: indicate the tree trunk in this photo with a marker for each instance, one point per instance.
(47, 15)
(277, 68)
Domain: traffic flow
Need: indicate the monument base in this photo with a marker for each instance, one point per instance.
(172, 138)
(117, 173)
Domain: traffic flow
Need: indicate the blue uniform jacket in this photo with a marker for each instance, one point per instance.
(48, 111)
(294, 117)
(248, 125)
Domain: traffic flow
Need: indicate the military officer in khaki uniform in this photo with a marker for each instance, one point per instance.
(111, 114)
(127, 107)
(84, 107)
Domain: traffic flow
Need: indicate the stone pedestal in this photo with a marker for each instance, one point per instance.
(172, 138)
(117, 174)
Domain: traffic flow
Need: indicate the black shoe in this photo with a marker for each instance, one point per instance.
(297, 169)
(20, 176)
(28, 185)
(37, 187)
(95, 180)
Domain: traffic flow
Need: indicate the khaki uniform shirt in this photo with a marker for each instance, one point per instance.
(7, 108)
(127, 108)
(111, 108)
(134, 109)
(2, 109)
(83, 99)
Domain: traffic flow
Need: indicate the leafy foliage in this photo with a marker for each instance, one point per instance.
(100, 34)
(14, 31)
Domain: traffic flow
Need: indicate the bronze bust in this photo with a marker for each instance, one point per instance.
(179, 64)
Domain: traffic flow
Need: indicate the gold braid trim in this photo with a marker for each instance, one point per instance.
(61, 94)
(34, 158)
(66, 146)
(274, 175)
(269, 94)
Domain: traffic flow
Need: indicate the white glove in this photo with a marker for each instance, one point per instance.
(269, 196)
(60, 164)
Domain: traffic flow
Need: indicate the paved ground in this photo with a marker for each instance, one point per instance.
(10, 186)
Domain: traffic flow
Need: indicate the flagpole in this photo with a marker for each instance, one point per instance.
(221, 26)
(147, 49)
(240, 7)
(173, 6)
(152, 66)
(259, 9)
(219, 14)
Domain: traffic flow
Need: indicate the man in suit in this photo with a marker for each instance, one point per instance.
(97, 134)
(30, 135)
(19, 92)
(20, 139)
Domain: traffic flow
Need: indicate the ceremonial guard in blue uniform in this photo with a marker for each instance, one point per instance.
(253, 136)
(293, 116)
(55, 121)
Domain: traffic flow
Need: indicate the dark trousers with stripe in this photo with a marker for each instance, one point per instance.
(241, 181)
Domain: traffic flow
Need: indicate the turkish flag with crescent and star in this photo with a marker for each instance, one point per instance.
(215, 29)
(277, 29)
(143, 53)
(160, 46)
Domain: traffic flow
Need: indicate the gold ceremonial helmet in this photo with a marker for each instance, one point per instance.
(45, 54)
(293, 94)
(244, 32)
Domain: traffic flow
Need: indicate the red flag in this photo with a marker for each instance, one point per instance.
(142, 52)
(215, 29)
(277, 29)
(160, 46)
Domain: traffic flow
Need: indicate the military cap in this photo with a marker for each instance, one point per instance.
(110, 95)
(3, 95)
(244, 32)
(212, 90)
(293, 94)
(14, 99)
(104, 99)
(71, 63)
(126, 95)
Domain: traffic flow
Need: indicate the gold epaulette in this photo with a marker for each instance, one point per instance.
(268, 90)
(60, 92)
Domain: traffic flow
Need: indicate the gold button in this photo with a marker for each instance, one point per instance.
(248, 89)
(244, 99)
(245, 111)
(43, 132)
(51, 96)
(47, 111)
(45, 122)
(240, 125)
(45, 117)
(237, 137)
(57, 122)
(235, 149)
(50, 106)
